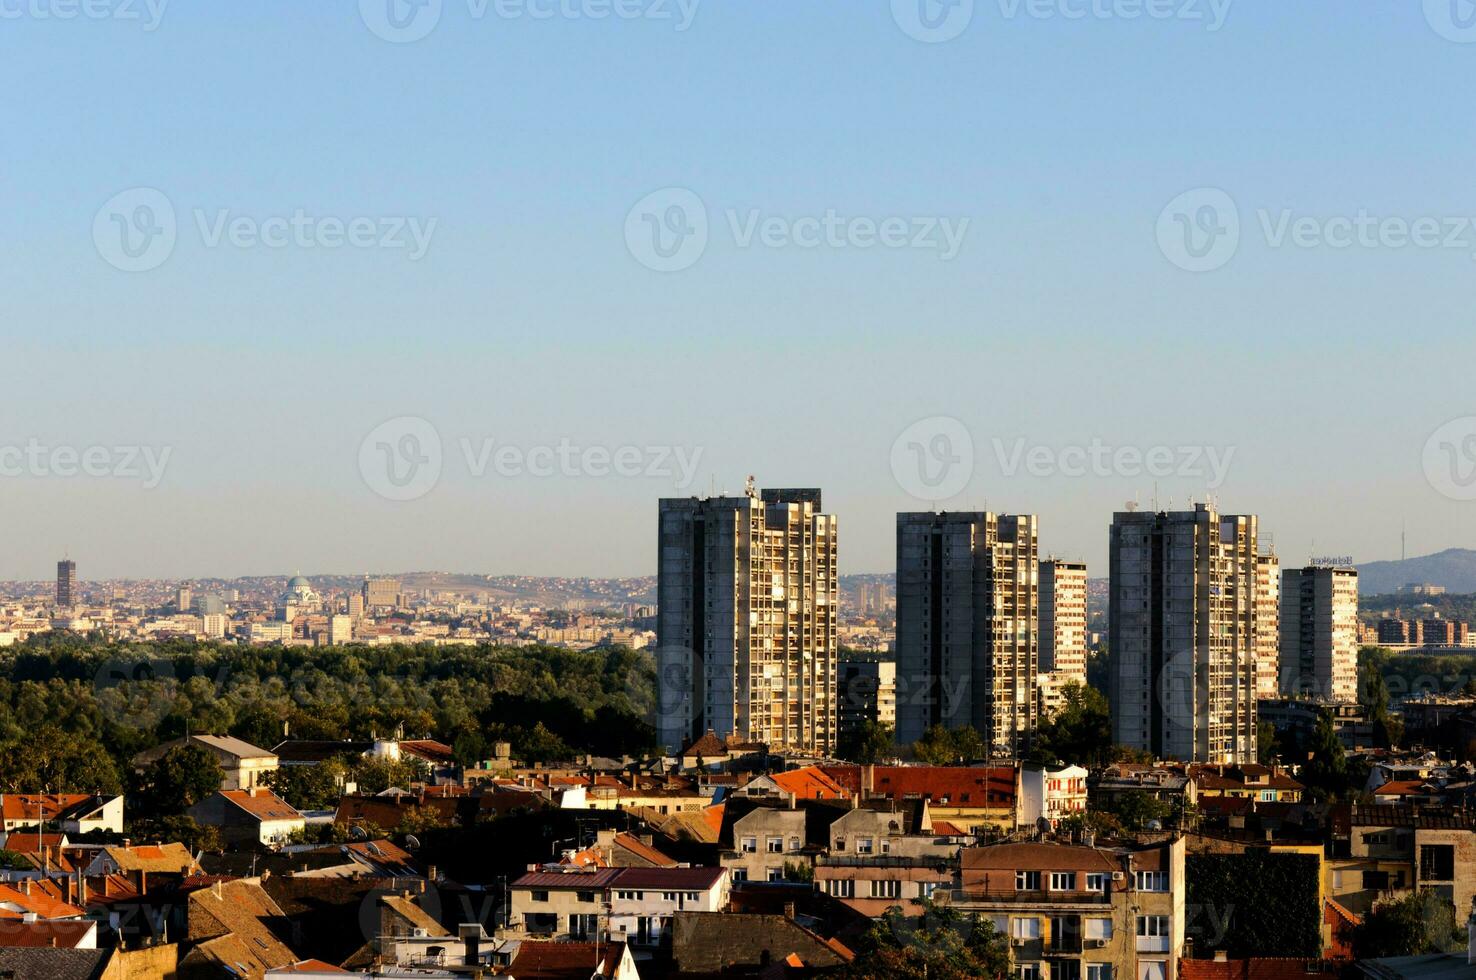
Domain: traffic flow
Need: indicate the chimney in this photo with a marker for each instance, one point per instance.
(789, 911)
(471, 941)
(868, 780)
(1221, 956)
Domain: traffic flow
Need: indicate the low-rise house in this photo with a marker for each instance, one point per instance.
(54, 933)
(613, 849)
(633, 905)
(74, 813)
(1167, 783)
(1267, 784)
(976, 799)
(710, 944)
(130, 860)
(1092, 913)
(230, 934)
(808, 783)
(249, 816)
(1050, 794)
(242, 764)
(1385, 852)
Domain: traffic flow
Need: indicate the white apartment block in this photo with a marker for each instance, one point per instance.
(1063, 621)
(747, 593)
(1319, 632)
(1268, 625)
(1182, 631)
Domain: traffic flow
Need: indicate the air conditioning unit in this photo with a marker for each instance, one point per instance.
(1096, 943)
(1017, 942)
(1118, 876)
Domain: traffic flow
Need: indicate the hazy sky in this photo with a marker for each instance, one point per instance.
(795, 345)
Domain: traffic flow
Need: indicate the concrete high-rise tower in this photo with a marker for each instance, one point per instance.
(66, 583)
(967, 626)
(1268, 629)
(746, 626)
(1182, 634)
(1319, 632)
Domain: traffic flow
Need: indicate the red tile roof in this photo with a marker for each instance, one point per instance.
(31, 806)
(537, 960)
(810, 783)
(262, 804)
(1256, 968)
(66, 933)
(991, 787)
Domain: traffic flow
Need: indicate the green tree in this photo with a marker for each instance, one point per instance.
(178, 780)
(942, 746)
(941, 944)
(315, 787)
(1079, 732)
(1419, 923)
(1326, 771)
(180, 828)
(868, 744)
(1136, 809)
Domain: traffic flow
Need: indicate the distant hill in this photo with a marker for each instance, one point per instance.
(1454, 568)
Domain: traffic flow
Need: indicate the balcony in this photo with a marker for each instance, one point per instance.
(980, 896)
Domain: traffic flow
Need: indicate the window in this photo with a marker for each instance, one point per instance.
(864, 845)
(540, 896)
(585, 896)
(1027, 971)
(841, 887)
(926, 888)
(775, 845)
(1151, 881)
(794, 843)
(886, 889)
(749, 845)
(1375, 880)
(1027, 881)
(1025, 928)
(1063, 881)
(628, 896)
(668, 896)
(739, 874)
(1437, 862)
(1098, 971)
(1153, 925)
(694, 896)
(1065, 969)
(1097, 929)
(1096, 882)
(840, 843)
(776, 874)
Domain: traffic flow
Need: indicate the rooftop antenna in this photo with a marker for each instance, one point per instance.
(750, 488)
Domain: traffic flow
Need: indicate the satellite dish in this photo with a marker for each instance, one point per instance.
(411, 842)
(357, 833)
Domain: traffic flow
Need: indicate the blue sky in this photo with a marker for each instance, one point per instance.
(1061, 322)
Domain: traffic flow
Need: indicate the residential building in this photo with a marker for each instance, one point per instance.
(747, 594)
(141, 859)
(1063, 620)
(249, 816)
(634, 905)
(1166, 783)
(1401, 632)
(1384, 852)
(340, 630)
(1268, 626)
(73, 813)
(1182, 631)
(1084, 913)
(1297, 718)
(381, 594)
(1050, 794)
(967, 626)
(974, 799)
(66, 583)
(1266, 784)
(867, 693)
(1319, 633)
(705, 944)
(184, 599)
(242, 764)
(1445, 633)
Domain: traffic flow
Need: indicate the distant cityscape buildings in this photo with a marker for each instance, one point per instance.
(66, 583)
(747, 614)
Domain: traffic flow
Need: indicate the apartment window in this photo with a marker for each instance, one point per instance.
(1153, 925)
(841, 887)
(1065, 969)
(886, 889)
(668, 896)
(886, 845)
(840, 843)
(1376, 880)
(776, 874)
(585, 896)
(1025, 928)
(694, 896)
(776, 845)
(1027, 971)
(1437, 862)
(1027, 881)
(863, 845)
(1063, 881)
(794, 843)
(1151, 881)
(1096, 883)
(1098, 971)
(739, 874)
(540, 896)
(628, 896)
(925, 889)
(748, 845)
